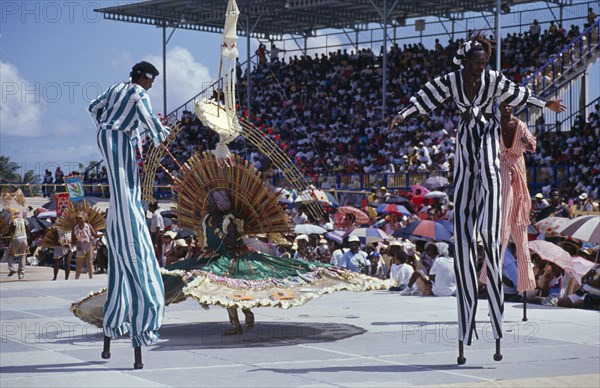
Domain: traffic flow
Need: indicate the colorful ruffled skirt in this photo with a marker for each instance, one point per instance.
(245, 278)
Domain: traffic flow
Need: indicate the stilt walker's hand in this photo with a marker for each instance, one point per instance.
(396, 121)
(556, 106)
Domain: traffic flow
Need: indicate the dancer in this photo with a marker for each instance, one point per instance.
(135, 298)
(516, 202)
(477, 171)
(83, 237)
(18, 248)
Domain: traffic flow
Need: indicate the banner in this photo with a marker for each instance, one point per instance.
(75, 189)
(62, 202)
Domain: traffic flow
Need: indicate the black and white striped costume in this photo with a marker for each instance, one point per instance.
(477, 184)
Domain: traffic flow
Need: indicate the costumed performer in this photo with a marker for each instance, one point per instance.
(477, 172)
(135, 300)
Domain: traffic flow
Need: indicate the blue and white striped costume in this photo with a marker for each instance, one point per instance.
(477, 184)
(135, 288)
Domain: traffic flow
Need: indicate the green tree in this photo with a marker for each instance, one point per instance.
(9, 174)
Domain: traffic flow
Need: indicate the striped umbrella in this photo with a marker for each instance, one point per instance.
(360, 216)
(388, 208)
(425, 228)
(585, 228)
(370, 235)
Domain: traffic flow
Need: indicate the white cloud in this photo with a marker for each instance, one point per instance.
(22, 104)
(185, 78)
(323, 44)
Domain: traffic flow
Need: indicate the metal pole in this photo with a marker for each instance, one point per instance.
(249, 65)
(498, 39)
(165, 70)
(384, 80)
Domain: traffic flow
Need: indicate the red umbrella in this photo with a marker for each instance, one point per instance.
(361, 217)
(393, 208)
(418, 199)
(549, 251)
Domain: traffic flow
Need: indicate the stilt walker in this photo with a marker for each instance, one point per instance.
(477, 173)
(135, 293)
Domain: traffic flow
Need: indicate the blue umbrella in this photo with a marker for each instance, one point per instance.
(388, 208)
(427, 229)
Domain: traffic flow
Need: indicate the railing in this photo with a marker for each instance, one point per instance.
(337, 183)
(517, 21)
(544, 80)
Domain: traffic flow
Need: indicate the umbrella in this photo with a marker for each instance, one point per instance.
(39, 224)
(449, 225)
(419, 190)
(425, 228)
(361, 217)
(436, 194)
(393, 208)
(316, 195)
(398, 200)
(370, 235)
(309, 229)
(48, 214)
(51, 205)
(551, 252)
(168, 214)
(581, 266)
(549, 225)
(336, 235)
(185, 233)
(436, 182)
(258, 245)
(585, 228)
(418, 199)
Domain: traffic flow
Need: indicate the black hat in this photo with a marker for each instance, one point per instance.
(145, 68)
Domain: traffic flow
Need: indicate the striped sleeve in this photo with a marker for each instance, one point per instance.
(97, 106)
(515, 95)
(432, 95)
(155, 129)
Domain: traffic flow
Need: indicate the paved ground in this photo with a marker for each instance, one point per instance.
(373, 339)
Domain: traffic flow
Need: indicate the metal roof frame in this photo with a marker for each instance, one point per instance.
(270, 19)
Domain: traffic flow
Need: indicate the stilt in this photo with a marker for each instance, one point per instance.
(461, 354)
(106, 350)
(524, 307)
(137, 352)
(497, 355)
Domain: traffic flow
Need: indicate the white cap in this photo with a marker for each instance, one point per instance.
(353, 239)
(539, 195)
(302, 237)
(583, 196)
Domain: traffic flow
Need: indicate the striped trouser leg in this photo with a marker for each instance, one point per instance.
(465, 239)
(525, 276)
(489, 212)
(135, 288)
(477, 200)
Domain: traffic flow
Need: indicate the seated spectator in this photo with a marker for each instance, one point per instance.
(400, 270)
(442, 272)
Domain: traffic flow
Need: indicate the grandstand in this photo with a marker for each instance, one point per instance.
(329, 109)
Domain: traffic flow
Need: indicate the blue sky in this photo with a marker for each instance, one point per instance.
(55, 56)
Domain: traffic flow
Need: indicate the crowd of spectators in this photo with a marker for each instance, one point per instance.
(326, 110)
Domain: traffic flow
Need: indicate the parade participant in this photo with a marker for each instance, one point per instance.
(516, 202)
(135, 300)
(18, 247)
(477, 174)
(82, 236)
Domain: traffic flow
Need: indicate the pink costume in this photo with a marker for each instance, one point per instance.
(516, 204)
